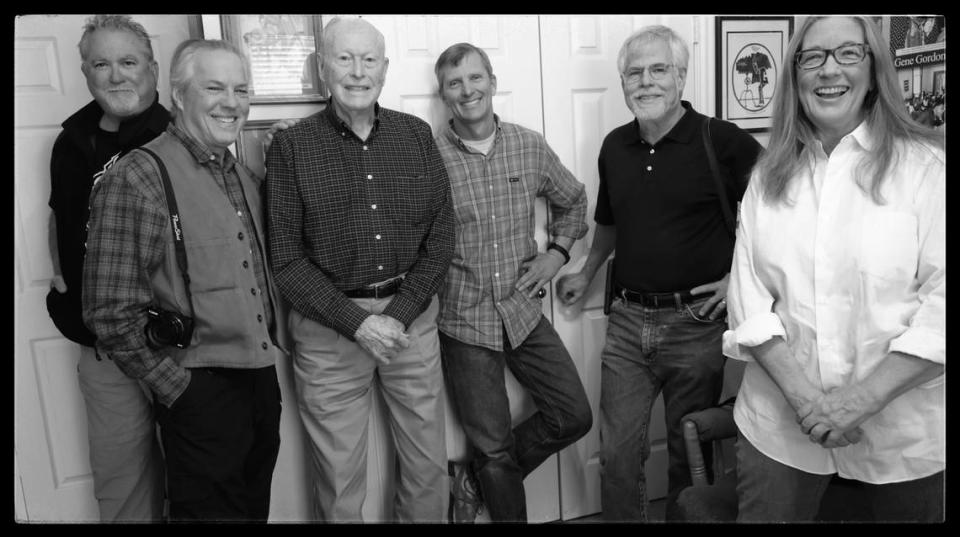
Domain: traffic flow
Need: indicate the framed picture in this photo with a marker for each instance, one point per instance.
(250, 146)
(749, 59)
(283, 55)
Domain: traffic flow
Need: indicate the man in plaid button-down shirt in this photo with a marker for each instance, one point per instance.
(490, 309)
(361, 235)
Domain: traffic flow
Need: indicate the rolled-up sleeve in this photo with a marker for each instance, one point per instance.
(926, 335)
(750, 314)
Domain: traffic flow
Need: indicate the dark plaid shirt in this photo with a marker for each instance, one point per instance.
(345, 213)
(129, 233)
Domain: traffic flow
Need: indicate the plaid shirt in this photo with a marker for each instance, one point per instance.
(494, 198)
(345, 213)
(129, 231)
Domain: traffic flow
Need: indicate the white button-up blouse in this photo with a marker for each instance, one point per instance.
(845, 281)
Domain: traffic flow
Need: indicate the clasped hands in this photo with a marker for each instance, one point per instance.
(833, 419)
(382, 336)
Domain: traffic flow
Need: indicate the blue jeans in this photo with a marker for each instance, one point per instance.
(769, 491)
(650, 349)
(503, 454)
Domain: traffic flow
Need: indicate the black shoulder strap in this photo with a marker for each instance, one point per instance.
(175, 226)
(718, 180)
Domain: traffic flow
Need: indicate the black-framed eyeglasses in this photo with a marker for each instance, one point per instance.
(849, 54)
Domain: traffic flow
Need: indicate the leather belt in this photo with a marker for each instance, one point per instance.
(654, 300)
(380, 290)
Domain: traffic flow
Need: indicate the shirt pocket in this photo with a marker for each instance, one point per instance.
(889, 245)
(412, 196)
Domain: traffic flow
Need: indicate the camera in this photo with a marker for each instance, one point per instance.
(167, 328)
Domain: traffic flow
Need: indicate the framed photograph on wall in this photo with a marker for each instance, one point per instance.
(250, 145)
(749, 59)
(283, 55)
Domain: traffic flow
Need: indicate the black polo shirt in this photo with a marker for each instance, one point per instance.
(670, 230)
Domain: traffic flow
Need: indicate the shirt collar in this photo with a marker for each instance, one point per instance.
(341, 126)
(682, 132)
(199, 151)
(455, 139)
(863, 135)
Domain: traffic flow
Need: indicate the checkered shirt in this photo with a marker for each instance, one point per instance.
(494, 199)
(128, 235)
(345, 213)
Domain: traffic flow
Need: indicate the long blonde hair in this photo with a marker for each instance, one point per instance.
(792, 132)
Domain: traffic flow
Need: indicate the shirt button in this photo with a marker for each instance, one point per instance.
(651, 151)
(253, 292)
(364, 148)
(213, 157)
(374, 206)
(259, 318)
(369, 177)
(240, 214)
(379, 267)
(649, 168)
(377, 237)
(493, 217)
(246, 264)
(496, 274)
(495, 245)
(264, 345)
(240, 235)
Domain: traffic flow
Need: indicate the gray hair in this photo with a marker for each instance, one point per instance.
(182, 65)
(678, 47)
(113, 22)
(326, 38)
(455, 54)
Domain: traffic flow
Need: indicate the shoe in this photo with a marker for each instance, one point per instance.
(465, 500)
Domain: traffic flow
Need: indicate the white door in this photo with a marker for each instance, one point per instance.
(414, 42)
(582, 102)
(51, 463)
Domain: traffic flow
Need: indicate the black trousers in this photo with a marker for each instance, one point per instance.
(221, 438)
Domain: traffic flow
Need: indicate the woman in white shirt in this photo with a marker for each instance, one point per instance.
(837, 290)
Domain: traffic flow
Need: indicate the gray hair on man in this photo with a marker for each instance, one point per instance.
(656, 32)
(113, 22)
(182, 65)
(329, 32)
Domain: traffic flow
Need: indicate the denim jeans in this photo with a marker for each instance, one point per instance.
(503, 454)
(650, 349)
(769, 491)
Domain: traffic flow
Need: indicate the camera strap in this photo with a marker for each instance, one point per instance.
(175, 227)
(728, 217)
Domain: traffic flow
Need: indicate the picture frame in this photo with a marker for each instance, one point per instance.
(283, 53)
(749, 59)
(250, 145)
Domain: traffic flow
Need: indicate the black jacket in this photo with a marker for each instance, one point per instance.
(73, 166)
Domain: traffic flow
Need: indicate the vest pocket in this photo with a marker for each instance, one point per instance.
(211, 264)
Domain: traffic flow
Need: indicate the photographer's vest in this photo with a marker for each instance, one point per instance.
(230, 328)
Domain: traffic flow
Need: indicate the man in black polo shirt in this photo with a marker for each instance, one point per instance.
(659, 207)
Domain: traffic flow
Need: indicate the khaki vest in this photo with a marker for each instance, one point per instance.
(230, 328)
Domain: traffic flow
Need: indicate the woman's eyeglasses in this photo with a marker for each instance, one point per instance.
(850, 54)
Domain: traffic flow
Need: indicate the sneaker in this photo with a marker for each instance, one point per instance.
(465, 500)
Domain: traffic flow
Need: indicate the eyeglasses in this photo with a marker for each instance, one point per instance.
(657, 71)
(851, 54)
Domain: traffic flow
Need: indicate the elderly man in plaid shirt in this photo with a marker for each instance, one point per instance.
(490, 309)
(361, 235)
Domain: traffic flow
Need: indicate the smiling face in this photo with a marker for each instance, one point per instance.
(832, 95)
(354, 66)
(120, 74)
(215, 102)
(656, 101)
(468, 89)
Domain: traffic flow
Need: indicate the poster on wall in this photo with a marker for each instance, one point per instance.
(918, 46)
(749, 59)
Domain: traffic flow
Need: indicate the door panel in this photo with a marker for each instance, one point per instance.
(51, 454)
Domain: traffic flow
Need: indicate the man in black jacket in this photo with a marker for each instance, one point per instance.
(121, 73)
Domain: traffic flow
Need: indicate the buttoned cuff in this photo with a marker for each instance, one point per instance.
(752, 332)
(921, 342)
(168, 381)
(404, 309)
